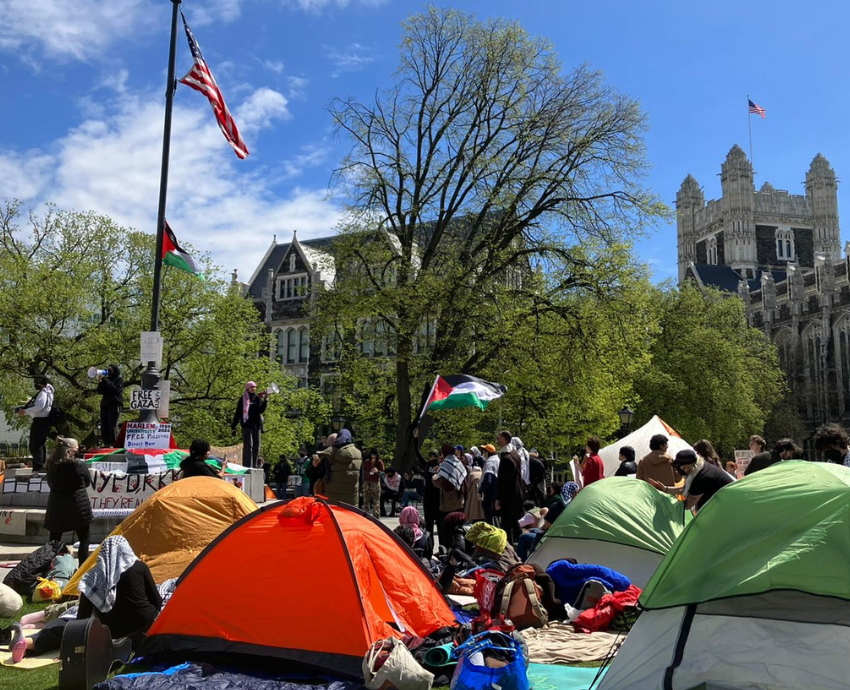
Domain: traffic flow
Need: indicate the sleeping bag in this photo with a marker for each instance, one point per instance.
(569, 578)
(23, 577)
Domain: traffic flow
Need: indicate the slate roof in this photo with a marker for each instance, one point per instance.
(726, 278)
(275, 258)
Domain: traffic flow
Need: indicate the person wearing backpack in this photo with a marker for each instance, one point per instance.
(68, 504)
(39, 408)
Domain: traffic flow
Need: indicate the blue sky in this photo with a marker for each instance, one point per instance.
(83, 83)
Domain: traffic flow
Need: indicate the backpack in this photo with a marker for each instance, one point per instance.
(519, 598)
(56, 414)
(24, 576)
(591, 592)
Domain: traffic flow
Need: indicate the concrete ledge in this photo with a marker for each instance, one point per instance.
(35, 534)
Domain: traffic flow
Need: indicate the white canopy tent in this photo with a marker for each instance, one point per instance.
(639, 440)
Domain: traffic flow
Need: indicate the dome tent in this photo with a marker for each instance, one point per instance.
(617, 522)
(175, 524)
(754, 594)
(329, 581)
(639, 440)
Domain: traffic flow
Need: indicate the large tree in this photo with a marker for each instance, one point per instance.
(76, 293)
(484, 165)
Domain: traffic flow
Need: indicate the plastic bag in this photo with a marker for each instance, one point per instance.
(388, 663)
(47, 590)
(473, 671)
(485, 589)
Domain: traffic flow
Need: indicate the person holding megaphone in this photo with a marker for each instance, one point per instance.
(110, 385)
(249, 413)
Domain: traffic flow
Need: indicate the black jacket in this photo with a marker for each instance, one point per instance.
(111, 388)
(626, 468)
(137, 602)
(761, 461)
(255, 412)
(709, 480)
(68, 505)
(194, 467)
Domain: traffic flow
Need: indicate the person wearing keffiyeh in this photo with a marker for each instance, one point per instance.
(451, 481)
(249, 414)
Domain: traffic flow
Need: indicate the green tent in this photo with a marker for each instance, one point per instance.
(621, 523)
(786, 527)
(754, 594)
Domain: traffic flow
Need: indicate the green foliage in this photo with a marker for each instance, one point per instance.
(77, 294)
(712, 376)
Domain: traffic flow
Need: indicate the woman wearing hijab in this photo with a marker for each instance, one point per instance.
(195, 464)
(423, 545)
(342, 476)
(68, 504)
(111, 389)
(521, 454)
(119, 589)
(249, 413)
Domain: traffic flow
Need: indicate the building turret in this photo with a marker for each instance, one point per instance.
(736, 178)
(689, 200)
(822, 191)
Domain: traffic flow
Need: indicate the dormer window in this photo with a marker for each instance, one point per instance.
(292, 287)
(784, 245)
(711, 250)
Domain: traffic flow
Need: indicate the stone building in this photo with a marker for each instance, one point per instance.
(781, 253)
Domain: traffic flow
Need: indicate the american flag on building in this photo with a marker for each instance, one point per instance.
(201, 79)
(755, 109)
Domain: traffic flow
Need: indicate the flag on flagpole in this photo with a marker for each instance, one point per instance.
(201, 79)
(756, 109)
(461, 390)
(173, 255)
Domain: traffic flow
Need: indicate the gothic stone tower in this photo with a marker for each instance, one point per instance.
(821, 189)
(739, 211)
(689, 200)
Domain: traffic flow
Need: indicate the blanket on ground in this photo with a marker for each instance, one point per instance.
(560, 644)
(192, 676)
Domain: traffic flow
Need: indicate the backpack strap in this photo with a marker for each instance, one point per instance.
(506, 598)
(539, 611)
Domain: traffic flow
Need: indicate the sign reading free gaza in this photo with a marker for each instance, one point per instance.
(145, 399)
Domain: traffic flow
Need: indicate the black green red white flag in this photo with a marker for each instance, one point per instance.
(462, 390)
(173, 255)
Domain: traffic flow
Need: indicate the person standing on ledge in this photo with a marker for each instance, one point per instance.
(249, 413)
(111, 389)
(38, 408)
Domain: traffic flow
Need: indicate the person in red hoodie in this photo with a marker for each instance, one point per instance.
(592, 468)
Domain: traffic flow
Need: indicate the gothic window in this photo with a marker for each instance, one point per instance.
(711, 250)
(785, 245)
(304, 344)
(291, 346)
(814, 371)
(292, 287)
(281, 345)
(331, 347)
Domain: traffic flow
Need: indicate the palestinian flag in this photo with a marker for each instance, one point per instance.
(173, 255)
(460, 390)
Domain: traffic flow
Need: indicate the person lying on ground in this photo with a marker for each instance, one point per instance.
(491, 546)
(119, 590)
(569, 577)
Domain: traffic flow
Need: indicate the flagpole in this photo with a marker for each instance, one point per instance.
(750, 130)
(150, 376)
(171, 86)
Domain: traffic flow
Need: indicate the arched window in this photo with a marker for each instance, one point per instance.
(291, 346)
(304, 354)
(784, 244)
(711, 250)
(281, 345)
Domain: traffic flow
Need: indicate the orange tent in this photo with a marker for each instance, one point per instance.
(310, 581)
(174, 525)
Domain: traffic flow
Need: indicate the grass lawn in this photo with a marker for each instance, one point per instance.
(37, 679)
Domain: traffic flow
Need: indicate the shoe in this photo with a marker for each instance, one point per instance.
(18, 646)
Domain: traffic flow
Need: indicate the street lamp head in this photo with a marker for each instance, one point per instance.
(626, 416)
(338, 422)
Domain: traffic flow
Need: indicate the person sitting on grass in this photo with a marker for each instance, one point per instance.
(119, 590)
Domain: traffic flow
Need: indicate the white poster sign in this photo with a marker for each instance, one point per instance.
(142, 435)
(165, 395)
(118, 491)
(742, 460)
(151, 348)
(13, 522)
(145, 400)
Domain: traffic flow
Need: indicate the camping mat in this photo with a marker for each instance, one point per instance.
(191, 676)
(30, 662)
(560, 644)
(552, 677)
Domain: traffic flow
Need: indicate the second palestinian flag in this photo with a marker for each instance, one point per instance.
(461, 390)
(173, 255)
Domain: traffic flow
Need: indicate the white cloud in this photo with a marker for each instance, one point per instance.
(110, 163)
(353, 58)
(275, 66)
(62, 29)
(221, 10)
(297, 87)
(319, 5)
(310, 157)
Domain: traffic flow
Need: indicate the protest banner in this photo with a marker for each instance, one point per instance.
(742, 461)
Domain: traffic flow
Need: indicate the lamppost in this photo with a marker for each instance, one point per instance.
(626, 416)
(338, 422)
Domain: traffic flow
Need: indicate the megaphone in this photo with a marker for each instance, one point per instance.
(94, 372)
(272, 389)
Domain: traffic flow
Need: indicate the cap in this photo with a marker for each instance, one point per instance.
(460, 448)
(685, 457)
(490, 448)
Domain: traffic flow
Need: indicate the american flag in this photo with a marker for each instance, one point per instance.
(201, 79)
(756, 109)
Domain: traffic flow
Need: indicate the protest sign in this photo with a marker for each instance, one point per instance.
(142, 435)
(742, 461)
